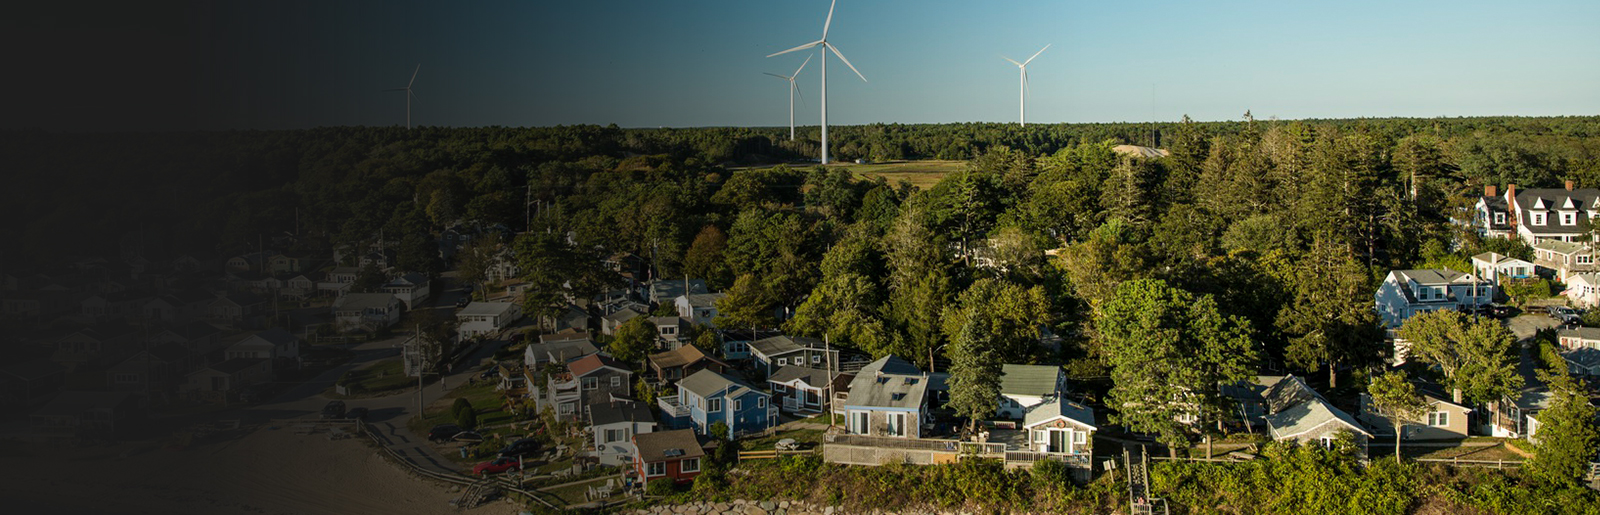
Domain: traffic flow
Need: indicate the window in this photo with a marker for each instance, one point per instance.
(566, 409)
(783, 361)
(1538, 219)
(1041, 436)
(655, 469)
(1326, 442)
(616, 435)
(761, 402)
(738, 405)
(591, 383)
(1585, 260)
(1499, 218)
(1569, 218)
(1439, 418)
(896, 425)
(1080, 436)
(616, 381)
(713, 405)
(126, 378)
(816, 359)
(689, 465)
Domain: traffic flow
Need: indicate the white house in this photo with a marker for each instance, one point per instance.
(271, 344)
(1536, 215)
(1060, 426)
(1583, 290)
(1024, 386)
(366, 311)
(480, 318)
(412, 289)
(613, 425)
(1493, 267)
(1407, 292)
(699, 308)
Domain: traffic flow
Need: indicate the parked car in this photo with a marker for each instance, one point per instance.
(520, 447)
(467, 436)
(356, 413)
(497, 465)
(443, 432)
(332, 410)
(462, 302)
(1565, 315)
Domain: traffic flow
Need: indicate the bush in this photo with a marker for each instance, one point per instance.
(719, 430)
(460, 404)
(467, 418)
(661, 487)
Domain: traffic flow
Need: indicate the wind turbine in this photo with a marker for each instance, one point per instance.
(409, 94)
(826, 47)
(1022, 90)
(793, 88)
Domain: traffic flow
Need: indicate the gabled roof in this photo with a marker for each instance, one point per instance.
(889, 382)
(1583, 279)
(1560, 247)
(1435, 276)
(1293, 408)
(813, 377)
(31, 370)
(277, 336)
(707, 383)
(619, 411)
(561, 350)
(411, 279)
(664, 445)
(683, 355)
(568, 334)
(1585, 357)
(1059, 408)
(593, 362)
(1036, 380)
(485, 308)
(783, 344)
(1582, 333)
(661, 321)
(1544, 199)
(625, 314)
(703, 300)
(1495, 258)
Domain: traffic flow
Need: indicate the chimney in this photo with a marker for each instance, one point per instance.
(1488, 190)
(1569, 184)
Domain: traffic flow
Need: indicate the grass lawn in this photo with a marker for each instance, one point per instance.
(483, 397)
(809, 438)
(380, 377)
(1481, 453)
(922, 174)
(575, 494)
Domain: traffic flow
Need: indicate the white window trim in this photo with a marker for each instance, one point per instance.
(1439, 419)
(738, 405)
(684, 466)
(713, 405)
(783, 361)
(1079, 437)
(761, 402)
(1499, 218)
(616, 381)
(650, 469)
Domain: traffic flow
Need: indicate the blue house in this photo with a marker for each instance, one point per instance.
(707, 397)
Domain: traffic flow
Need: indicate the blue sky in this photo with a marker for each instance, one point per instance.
(274, 65)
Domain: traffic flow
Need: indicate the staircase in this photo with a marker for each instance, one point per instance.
(1139, 500)
(476, 493)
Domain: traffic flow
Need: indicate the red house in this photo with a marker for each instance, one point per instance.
(668, 454)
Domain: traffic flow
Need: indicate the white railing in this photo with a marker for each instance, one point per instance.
(670, 406)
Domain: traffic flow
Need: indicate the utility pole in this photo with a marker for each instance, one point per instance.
(827, 348)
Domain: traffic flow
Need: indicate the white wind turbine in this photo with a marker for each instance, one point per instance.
(793, 88)
(1022, 90)
(826, 47)
(409, 94)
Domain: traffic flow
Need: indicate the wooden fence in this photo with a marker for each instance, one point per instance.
(1498, 464)
(771, 454)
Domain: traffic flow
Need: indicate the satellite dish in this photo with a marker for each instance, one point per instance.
(601, 448)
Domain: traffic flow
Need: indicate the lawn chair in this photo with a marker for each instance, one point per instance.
(605, 491)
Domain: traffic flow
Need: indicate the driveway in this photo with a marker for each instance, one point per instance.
(1524, 326)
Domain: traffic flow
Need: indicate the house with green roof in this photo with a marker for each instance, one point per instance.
(1025, 386)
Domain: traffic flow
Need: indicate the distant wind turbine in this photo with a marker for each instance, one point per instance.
(826, 47)
(409, 94)
(1022, 116)
(793, 88)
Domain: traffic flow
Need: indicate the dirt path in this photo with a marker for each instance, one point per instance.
(263, 473)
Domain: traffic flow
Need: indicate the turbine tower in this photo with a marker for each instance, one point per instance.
(1022, 90)
(409, 94)
(793, 88)
(826, 47)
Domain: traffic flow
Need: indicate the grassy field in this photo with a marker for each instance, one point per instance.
(921, 174)
(380, 377)
(483, 397)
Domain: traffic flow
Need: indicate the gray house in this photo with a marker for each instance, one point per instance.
(1296, 412)
(889, 397)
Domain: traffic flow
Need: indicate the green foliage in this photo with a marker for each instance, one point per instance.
(749, 303)
(718, 430)
(1567, 436)
(467, 418)
(1396, 399)
(461, 403)
(1477, 355)
(661, 487)
(1522, 290)
(633, 340)
(975, 369)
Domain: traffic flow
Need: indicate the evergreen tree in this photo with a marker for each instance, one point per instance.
(975, 370)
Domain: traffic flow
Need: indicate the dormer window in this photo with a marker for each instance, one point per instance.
(1499, 218)
(1569, 218)
(1538, 219)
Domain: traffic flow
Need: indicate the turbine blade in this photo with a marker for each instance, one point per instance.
(835, 50)
(1013, 61)
(829, 21)
(801, 47)
(775, 75)
(802, 95)
(414, 76)
(1035, 54)
(412, 93)
(802, 67)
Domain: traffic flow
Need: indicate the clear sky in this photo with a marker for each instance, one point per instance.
(295, 64)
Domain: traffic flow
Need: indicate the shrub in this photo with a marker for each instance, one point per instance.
(460, 404)
(719, 430)
(467, 418)
(661, 487)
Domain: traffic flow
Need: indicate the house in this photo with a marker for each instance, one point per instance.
(1583, 362)
(799, 389)
(1025, 386)
(1060, 426)
(287, 264)
(1562, 259)
(1444, 420)
(156, 370)
(239, 308)
(571, 317)
(1248, 398)
(613, 425)
(1583, 290)
(1493, 266)
(1513, 416)
(380, 258)
(669, 331)
(30, 382)
(662, 291)
(706, 397)
(614, 320)
(1579, 338)
(180, 307)
(275, 344)
(1407, 292)
(103, 344)
(699, 308)
(298, 287)
(366, 311)
(252, 262)
(1295, 412)
(219, 381)
(668, 455)
(889, 397)
(339, 280)
(482, 318)
(590, 379)
(122, 305)
(197, 337)
(770, 354)
(97, 414)
(557, 351)
(675, 364)
(1535, 215)
(412, 289)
